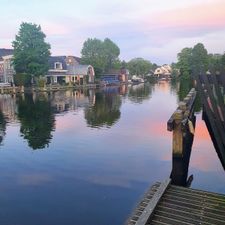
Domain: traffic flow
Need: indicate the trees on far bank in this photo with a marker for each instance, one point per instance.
(139, 66)
(192, 61)
(31, 52)
(102, 55)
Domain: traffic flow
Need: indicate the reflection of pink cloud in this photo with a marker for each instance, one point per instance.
(204, 156)
(34, 179)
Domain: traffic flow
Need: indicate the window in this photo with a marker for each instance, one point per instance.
(58, 65)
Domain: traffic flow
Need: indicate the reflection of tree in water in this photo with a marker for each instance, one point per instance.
(106, 110)
(2, 126)
(37, 120)
(184, 86)
(139, 93)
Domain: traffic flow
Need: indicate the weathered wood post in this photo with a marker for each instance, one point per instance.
(182, 124)
(177, 133)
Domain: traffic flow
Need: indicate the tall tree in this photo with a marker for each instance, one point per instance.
(112, 52)
(31, 52)
(184, 62)
(199, 59)
(139, 66)
(102, 55)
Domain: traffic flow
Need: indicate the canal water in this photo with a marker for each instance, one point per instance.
(87, 157)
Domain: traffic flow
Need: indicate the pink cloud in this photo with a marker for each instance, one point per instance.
(210, 15)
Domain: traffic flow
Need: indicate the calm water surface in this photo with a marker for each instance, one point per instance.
(87, 157)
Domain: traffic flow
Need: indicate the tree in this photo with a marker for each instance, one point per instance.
(31, 52)
(199, 59)
(184, 62)
(139, 66)
(111, 52)
(102, 55)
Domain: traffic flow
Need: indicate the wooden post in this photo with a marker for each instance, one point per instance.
(177, 133)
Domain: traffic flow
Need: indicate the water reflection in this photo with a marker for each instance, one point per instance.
(71, 100)
(37, 120)
(140, 92)
(106, 110)
(2, 126)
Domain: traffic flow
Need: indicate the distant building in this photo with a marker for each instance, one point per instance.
(163, 72)
(67, 69)
(6, 67)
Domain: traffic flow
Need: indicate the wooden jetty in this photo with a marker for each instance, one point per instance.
(172, 202)
(211, 89)
(165, 203)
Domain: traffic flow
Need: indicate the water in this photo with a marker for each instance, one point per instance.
(87, 157)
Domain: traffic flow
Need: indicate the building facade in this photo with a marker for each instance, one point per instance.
(6, 67)
(68, 70)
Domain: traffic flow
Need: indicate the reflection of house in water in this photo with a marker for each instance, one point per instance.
(8, 107)
(8, 111)
(70, 100)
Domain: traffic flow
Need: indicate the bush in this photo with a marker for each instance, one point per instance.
(22, 79)
(40, 81)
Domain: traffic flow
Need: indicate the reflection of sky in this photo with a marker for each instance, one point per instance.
(93, 170)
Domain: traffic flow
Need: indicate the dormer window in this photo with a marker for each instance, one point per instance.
(58, 66)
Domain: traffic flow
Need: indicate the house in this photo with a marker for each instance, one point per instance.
(62, 69)
(6, 68)
(68, 70)
(163, 72)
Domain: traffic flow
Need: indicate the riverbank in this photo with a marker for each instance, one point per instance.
(49, 88)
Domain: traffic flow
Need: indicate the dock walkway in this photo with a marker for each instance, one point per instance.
(165, 203)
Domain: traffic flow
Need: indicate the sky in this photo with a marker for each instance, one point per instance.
(155, 30)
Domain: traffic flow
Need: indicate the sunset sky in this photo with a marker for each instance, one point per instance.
(152, 29)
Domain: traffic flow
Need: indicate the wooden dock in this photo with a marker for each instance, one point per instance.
(165, 203)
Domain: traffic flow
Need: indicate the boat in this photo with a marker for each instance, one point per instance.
(137, 80)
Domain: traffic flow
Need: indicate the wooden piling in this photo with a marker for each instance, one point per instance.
(180, 123)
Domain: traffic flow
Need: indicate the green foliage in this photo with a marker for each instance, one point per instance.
(102, 55)
(31, 52)
(139, 66)
(199, 59)
(37, 120)
(193, 61)
(184, 62)
(22, 79)
(216, 63)
(41, 81)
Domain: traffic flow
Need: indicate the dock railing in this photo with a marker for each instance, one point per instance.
(182, 124)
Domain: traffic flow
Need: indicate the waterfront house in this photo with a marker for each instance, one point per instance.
(163, 72)
(68, 70)
(6, 67)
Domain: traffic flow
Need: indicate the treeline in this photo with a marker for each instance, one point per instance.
(104, 57)
(192, 61)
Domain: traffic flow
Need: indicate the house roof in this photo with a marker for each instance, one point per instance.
(5, 51)
(62, 59)
(53, 59)
(77, 70)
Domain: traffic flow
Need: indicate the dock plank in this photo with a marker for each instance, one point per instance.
(175, 205)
